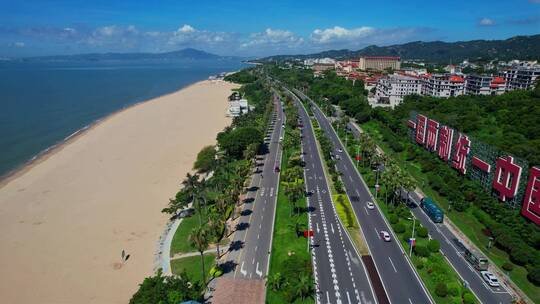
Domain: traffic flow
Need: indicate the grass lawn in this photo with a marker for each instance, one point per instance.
(285, 239)
(180, 242)
(192, 265)
(465, 221)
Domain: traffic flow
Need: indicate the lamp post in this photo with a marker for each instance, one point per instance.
(412, 235)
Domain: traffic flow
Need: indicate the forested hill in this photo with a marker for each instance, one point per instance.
(518, 47)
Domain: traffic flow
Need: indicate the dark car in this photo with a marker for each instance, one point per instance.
(276, 169)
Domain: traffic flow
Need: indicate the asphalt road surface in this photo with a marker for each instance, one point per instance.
(339, 272)
(249, 252)
(401, 282)
(454, 254)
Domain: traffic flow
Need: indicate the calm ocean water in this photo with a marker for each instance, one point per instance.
(41, 104)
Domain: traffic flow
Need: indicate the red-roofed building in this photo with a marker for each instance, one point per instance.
(484, 85)
(443, 85)
(379, 63)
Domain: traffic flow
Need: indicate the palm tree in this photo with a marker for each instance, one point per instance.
(275, 281)
(304, 287)
(216, 225)
(191, 184)
(199, 239)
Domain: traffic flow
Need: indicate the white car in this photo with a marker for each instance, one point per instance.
(385, 235)
(490, 278)
(370, 205)
(339, 150)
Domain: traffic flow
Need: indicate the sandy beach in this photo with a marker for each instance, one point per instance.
(65, 220)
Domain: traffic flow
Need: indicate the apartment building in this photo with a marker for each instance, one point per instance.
(484, 85)
(445, 86)
(521, 77)
(379, 63)
(391, 89)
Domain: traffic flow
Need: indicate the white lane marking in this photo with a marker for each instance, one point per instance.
(242, 271)
(317, 224)
(328, 297)
(377, 233)
(366, 210)
(253, 261)
(410, 301)
(392, 264)
(332, 226)
(257, 236)
(257, 271)
(348, 298)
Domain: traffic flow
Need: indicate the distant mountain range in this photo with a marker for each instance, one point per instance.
(518, 47)
(184, 54)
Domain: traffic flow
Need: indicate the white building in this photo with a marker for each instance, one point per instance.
(521, 77)
(391, 89)
(238, 107)
(443, 85)
(484, 85)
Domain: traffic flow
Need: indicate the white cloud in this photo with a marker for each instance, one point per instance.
(118, 38)
(187, 35)
(340, 34)
(270, 37)
(186, 29)
(486, 22)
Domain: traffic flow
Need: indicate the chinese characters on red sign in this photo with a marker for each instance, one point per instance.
(531, 202)
(506, 182)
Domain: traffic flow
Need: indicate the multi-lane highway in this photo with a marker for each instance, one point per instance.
(339, 272)
(454, 253)
(401, 282)
(252, 242)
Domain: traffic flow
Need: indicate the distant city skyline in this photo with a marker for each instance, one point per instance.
(243, 28)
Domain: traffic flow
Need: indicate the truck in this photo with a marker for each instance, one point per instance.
(477, 260)
(432, 210)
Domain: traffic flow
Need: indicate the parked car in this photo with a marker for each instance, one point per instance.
(276, 169)
(490, 278)
(385, 235)
(370, 205)
(340, 150)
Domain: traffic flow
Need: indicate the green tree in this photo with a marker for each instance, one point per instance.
(275, 281)
(199, 239)
(304, 287)
(206, 159)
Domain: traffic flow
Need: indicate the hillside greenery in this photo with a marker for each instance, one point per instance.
(523, 47)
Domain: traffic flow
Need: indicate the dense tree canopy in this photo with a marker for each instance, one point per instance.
(206, 159)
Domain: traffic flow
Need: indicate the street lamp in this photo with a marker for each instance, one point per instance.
(411, 240)
(380, 168)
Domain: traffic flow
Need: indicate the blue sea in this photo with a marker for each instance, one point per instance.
(43, 103)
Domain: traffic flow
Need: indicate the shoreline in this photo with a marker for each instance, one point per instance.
(46, 153)
(76, 205)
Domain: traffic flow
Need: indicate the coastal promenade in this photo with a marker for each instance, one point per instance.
(65, 219)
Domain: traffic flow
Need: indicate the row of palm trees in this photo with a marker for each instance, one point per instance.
(392, 177)
(215, 200)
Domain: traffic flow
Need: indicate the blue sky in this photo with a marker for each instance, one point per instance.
(252, 28)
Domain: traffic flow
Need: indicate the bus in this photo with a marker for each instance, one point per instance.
(477, 260)
(432, 210)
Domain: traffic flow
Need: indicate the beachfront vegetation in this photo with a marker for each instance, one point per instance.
(217, 197)
(192, 266)
(168, 289)
(206, 159)
(290, 278)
